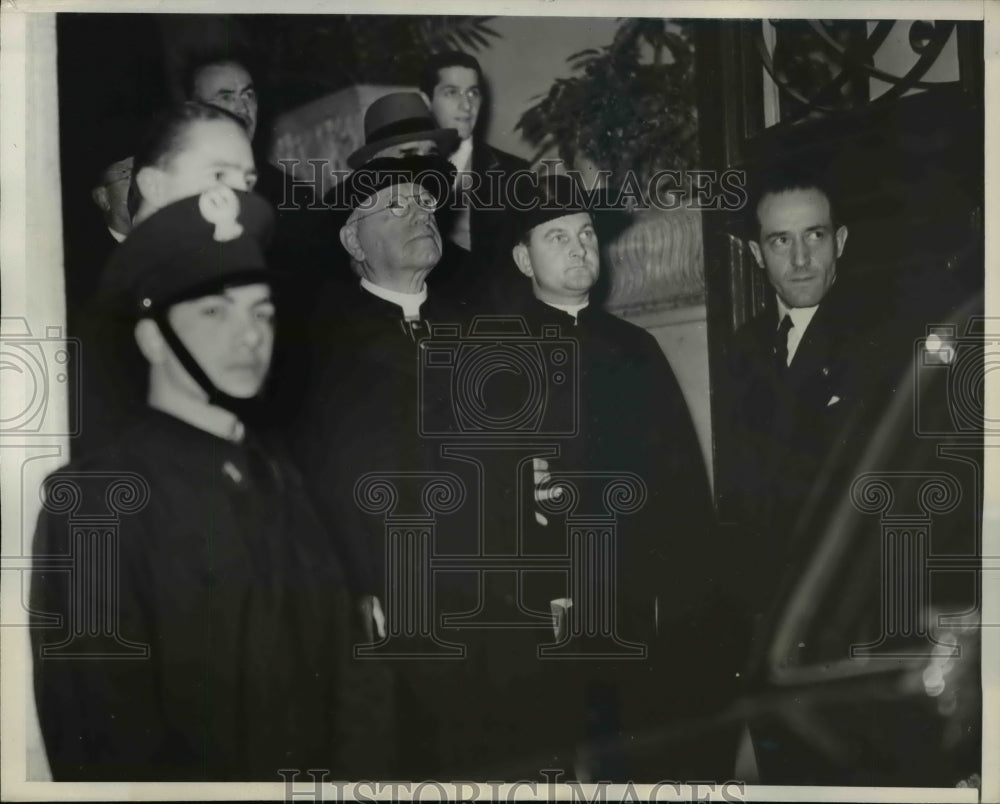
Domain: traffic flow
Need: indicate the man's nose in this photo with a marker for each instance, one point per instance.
(464, 103)
(800, 254)
(419, 212)
(251, 333)
(237, 181)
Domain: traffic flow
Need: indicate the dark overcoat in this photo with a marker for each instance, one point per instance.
(495, 711)
(224, 576)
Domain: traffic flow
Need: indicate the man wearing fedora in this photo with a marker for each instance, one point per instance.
(400, 124)
(215, 649)
(396, 125)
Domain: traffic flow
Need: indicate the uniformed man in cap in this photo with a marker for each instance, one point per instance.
(214, 650)
(185, 150)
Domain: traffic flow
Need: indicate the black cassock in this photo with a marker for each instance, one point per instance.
(632, 419)
(501, 712)
(497, 712)
(227, 576)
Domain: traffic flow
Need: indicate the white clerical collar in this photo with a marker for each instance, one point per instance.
(801, 316)
(462, 157)
(410, 302)
(571, 309)
(118, 236)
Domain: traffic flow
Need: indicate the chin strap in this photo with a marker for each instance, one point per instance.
(215, 396)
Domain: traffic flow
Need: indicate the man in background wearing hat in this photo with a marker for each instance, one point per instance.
(400, 124)
(215, 650)
(632, 418)
(93, 228)
(111, 197)
(396, 125)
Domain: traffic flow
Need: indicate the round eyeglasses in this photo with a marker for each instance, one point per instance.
(400, 205)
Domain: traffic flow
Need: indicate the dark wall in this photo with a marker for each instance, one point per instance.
(110, 78)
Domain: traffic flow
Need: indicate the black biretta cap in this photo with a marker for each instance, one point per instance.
(552, 196)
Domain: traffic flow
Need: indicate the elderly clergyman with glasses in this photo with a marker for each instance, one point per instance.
(364, 343)
(359, 411)
(361, 416)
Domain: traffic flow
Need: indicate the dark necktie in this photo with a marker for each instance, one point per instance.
(781, 343)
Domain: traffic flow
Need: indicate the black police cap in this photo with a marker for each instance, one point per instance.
(432, 172)
(187, 249)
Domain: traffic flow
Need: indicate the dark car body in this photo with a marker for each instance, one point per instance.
(866, 669)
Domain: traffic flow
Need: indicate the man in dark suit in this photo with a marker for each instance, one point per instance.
(632, 419)
(454, 87)
(806, 372)
(224, 80)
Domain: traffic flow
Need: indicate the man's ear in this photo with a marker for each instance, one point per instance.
(150, 341)
(149, 181)
(755, 250)
(100, 196)
(349, 240)
(841, 236)
(522, 259)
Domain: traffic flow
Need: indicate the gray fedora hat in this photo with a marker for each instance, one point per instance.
(396, 118)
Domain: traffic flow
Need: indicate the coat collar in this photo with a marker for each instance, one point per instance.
(483, 158)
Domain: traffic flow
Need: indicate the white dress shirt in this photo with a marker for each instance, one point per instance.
(801, 316)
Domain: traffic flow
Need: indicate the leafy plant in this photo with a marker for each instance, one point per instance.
(629, 108)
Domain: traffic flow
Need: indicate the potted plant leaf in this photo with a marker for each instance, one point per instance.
(629, 111)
